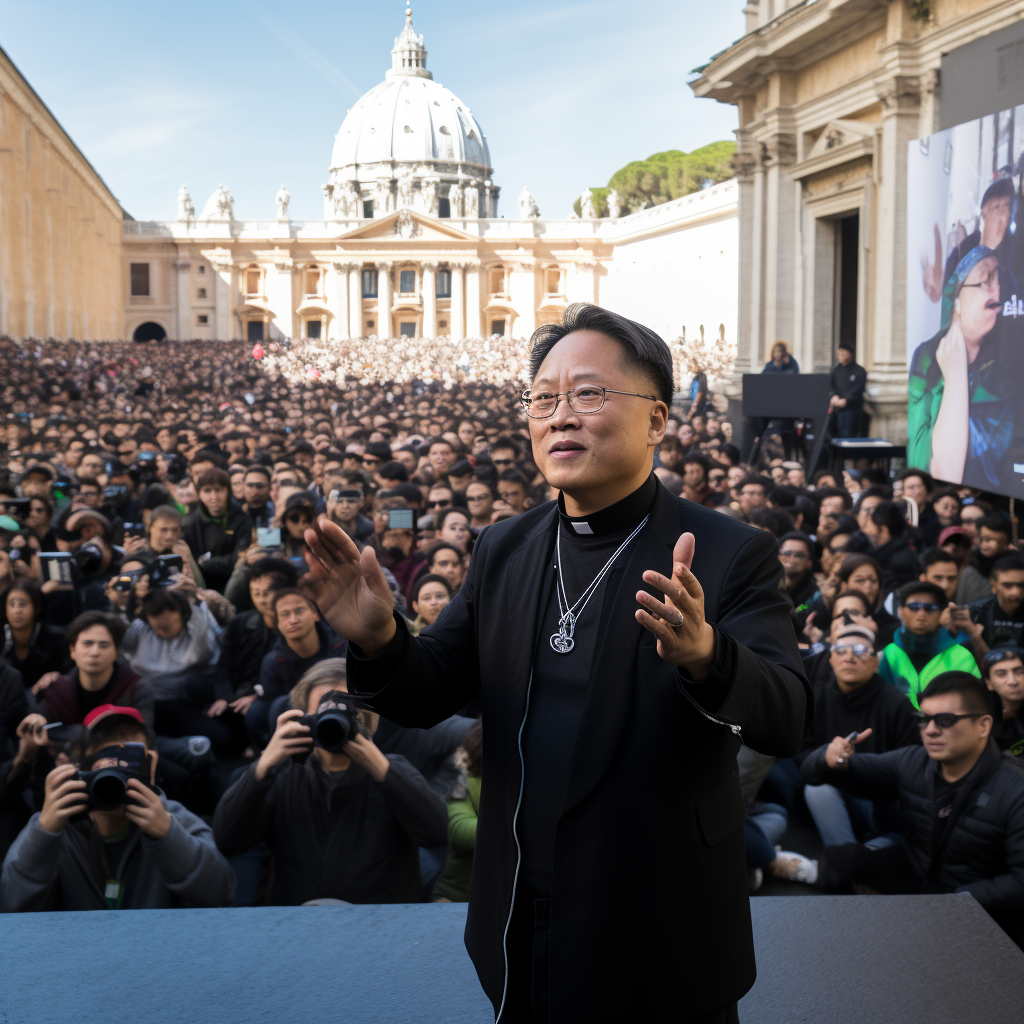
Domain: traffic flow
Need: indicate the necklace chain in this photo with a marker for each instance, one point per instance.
(562, 641)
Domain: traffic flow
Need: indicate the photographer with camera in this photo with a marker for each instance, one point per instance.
(348, 822)
(106, 837)
(86, 536)
(163, 535)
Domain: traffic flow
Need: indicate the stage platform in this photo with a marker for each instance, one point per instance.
(821, 960)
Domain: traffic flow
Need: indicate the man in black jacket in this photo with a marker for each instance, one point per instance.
(218, 530)
(796, 553)
(345, 825)
(855, 700)
(891, 545)
(846, 388)
(598, 695)
(962, 803)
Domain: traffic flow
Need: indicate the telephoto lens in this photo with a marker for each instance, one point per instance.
(334, 723)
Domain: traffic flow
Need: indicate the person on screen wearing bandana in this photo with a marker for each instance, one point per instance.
(964, 383)
(622, 641)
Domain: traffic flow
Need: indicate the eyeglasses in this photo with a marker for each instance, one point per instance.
(298, 517)
(477, 497)
(437, 504)
(857, 650)
(986, 282)
(585, 399)
(944, 719)
(923, 606)
(793, 554)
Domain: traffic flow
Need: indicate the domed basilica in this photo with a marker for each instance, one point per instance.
(412, 243)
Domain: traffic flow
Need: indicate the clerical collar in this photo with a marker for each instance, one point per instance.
(625, 513)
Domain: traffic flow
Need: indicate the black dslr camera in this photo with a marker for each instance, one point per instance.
(334, 723)
(109, 771)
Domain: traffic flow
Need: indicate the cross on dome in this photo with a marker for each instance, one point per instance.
(409, 57)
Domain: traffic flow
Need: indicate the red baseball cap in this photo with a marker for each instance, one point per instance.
(106, 710)
(955, 533)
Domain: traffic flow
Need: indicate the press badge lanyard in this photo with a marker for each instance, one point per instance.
(113, 889)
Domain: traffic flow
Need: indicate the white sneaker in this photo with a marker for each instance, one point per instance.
(795, 867)
(755, 878)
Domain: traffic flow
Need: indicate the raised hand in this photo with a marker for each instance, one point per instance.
(349, 588)
(841, 749)
(684, 637)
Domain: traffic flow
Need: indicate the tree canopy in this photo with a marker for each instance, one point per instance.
(664, 176)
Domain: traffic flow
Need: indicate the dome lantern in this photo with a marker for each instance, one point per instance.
(409, 57)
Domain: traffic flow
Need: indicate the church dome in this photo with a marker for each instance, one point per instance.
(409, 122)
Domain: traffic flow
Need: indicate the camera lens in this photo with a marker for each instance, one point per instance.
(108, 791)
(332, 731)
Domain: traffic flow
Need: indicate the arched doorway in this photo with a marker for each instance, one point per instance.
(149, 331)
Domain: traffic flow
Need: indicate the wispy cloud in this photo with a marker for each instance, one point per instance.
(317, 61)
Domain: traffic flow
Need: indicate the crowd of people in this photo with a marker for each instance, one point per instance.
(174, 719)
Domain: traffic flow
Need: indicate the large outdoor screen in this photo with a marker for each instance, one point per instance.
(965, 304)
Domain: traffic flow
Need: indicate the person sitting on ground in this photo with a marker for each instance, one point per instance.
(796, 553)
(452, 885)
(855, 699)
(444, 559)
(347, 823)
(249, 637)
(303, 640)
(863, 573)
(962, 806)
(173, 644)
(941, 568)
(998, 620)
(992, 539)
(146, 853)
(891, 545)
(218, 531)
(30, 645)
(1002, 668)
(921, 648)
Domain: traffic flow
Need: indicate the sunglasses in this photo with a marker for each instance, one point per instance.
(923, 606)
(503, 462)
(857, 650)
(944, 719)
(438, 504)
(299, 517)
(345, 496)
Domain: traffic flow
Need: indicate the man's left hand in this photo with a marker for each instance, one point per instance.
(685, 639)
(365, 753)
(146, 809)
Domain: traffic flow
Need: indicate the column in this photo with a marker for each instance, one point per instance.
(522, 293)
(428, 292)
(457, 328)
(339, 326)
(183, 300)
(473, 301)
(779, 239)
(356, 327)
(746, 309)
(384, 299)
(280, 292)
(222, 300)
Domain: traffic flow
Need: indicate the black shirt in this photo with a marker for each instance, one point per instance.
(561, 682)
(848, 382)
(90, 700)
(1000, 627)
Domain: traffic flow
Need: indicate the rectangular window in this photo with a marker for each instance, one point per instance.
(200, 269)
(203, 318)
(498, 327)
(497, 282)
(312, 282)
(252, 282)
(369, 284)
(407, 330)
(443, 286)
(313, 328)
(444, 208)
(407, 282)
(140, 279)
(552, 277)
(254, 330)
(442, 323)
(368, 209)
(200, 293)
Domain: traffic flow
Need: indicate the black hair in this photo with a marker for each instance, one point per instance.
(644, 350)
(1011, 562)
(800, 536)
(776, 521)
(996, 523)
(513, 476)
(889, 515)
(422, 581)
(834, 492)
(283, 572)
(935, 555)
(262, 470)
(441, 545)
(972, 690)
(32, 590)
(116, 729)
(926, 479)
(698, 459)
(908, 590)
(160, 600)
(279, 595)
(111, 623)
(858, 595)
(393, 471)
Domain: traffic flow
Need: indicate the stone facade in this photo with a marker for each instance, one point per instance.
(829, 95)
(60, 227)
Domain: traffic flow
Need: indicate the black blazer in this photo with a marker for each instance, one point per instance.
(650, 913)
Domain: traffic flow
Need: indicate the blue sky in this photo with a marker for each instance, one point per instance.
(251, 92)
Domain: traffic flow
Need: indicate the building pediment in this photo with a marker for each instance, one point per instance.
(840, 142)
(407, 225)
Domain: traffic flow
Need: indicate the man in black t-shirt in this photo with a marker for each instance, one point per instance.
(999, 620)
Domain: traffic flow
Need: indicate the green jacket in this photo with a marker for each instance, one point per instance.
(896, 667)
(453, 882)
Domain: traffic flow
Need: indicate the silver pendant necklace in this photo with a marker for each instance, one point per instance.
(562, 642)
